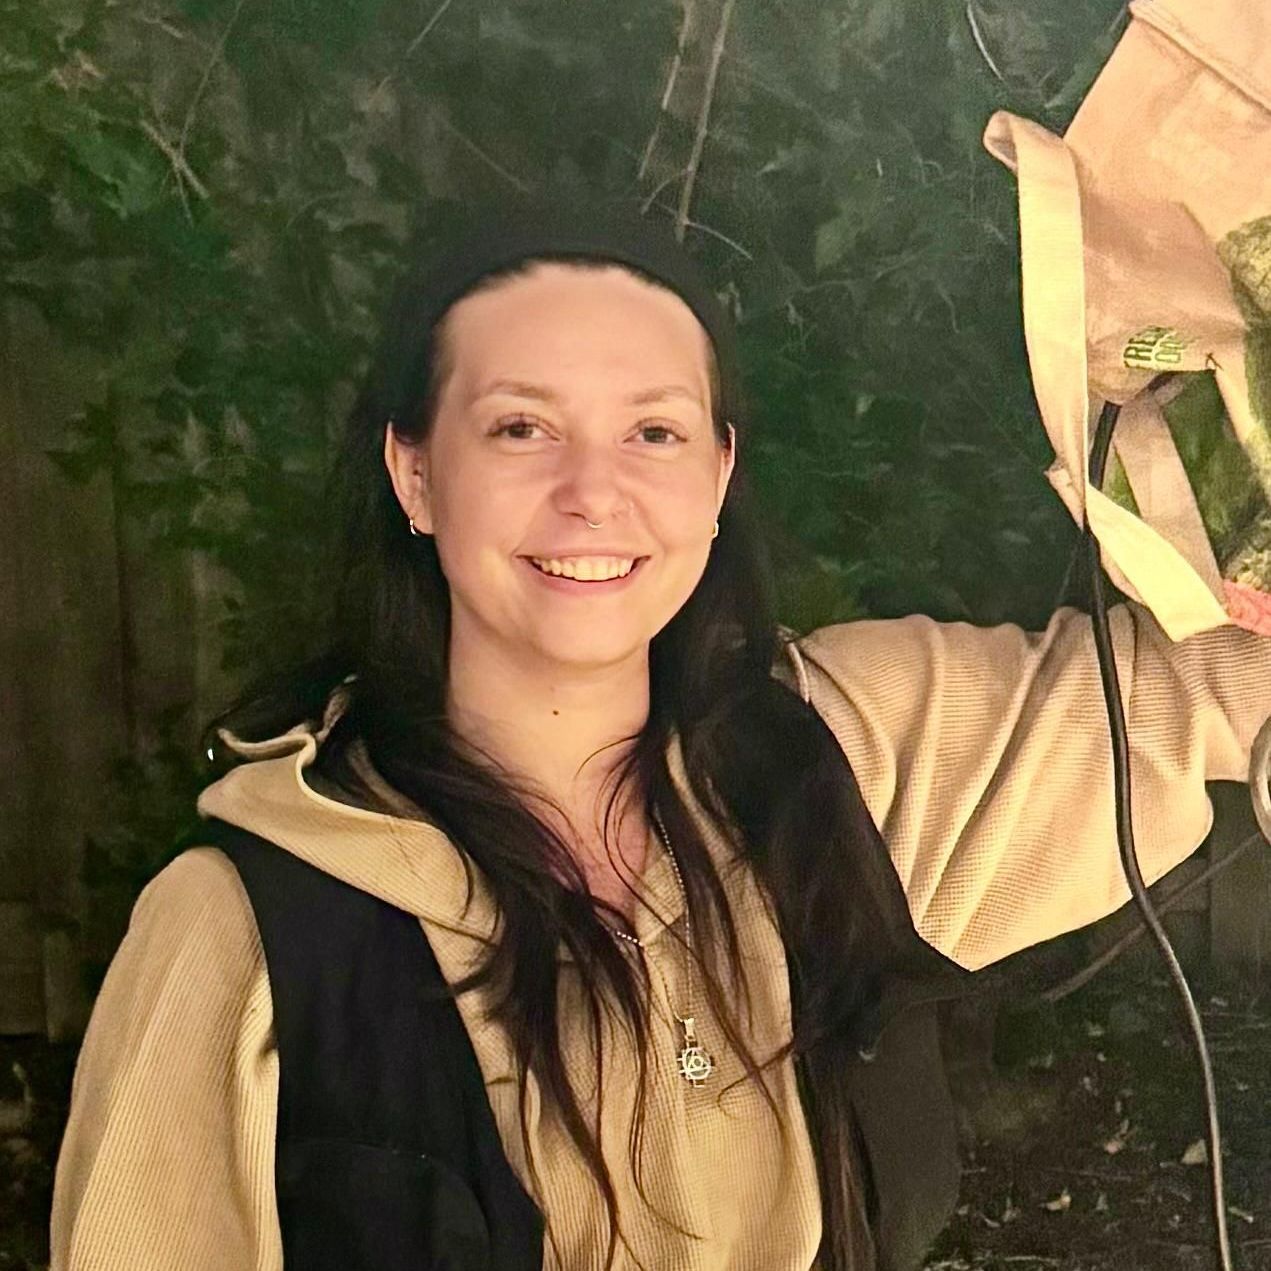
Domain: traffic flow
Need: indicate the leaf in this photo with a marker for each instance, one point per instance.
(1059, 1204)
(1117, 1142)
(1196, 1154)
(833, 237)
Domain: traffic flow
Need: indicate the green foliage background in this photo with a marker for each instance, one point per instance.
(206, 200)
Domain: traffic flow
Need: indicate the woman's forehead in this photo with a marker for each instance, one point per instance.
(559, 320)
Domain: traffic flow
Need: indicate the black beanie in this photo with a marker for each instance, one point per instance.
(469, 248)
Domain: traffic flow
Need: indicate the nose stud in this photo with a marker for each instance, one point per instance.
(595, 525)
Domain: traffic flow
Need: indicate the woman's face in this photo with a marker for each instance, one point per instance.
(575, 395)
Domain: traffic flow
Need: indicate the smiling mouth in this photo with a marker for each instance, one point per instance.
(589, 569)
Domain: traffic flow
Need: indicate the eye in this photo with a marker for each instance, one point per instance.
(517, 427)
(660, 434)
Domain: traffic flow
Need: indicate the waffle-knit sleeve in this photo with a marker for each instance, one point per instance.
(168, 1157)
(983, 755)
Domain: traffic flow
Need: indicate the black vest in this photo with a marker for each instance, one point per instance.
(388, 1157)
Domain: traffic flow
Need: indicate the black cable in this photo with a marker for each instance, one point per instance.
(1125, 838)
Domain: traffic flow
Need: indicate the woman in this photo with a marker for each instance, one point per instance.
(559, 732)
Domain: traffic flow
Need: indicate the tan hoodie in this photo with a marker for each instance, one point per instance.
(983, 756)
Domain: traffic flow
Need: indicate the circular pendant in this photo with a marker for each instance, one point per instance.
(695, 1065)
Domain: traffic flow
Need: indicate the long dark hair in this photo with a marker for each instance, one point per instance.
(758, 760)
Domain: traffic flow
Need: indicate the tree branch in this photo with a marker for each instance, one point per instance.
(723, 238)
(467, 141)
(657, 189)
(438, 13)
(181, 169)
(420, 37)
(676, 63)
(703, 120)
(206, 78)
(979, 39)
(709, 229)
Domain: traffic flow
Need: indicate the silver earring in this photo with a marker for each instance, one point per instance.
(413, 530)
(715, 531)
(590, 526)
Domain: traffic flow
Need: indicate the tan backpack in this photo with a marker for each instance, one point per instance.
(1146, 248)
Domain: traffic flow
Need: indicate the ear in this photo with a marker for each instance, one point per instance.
(727, 461)
(407, 464)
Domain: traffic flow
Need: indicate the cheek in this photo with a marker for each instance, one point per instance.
(479, 518)
(682, 509)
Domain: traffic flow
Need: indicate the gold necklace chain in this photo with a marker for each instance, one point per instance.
(695, 1065)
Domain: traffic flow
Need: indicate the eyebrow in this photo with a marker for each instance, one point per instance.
(645, 397)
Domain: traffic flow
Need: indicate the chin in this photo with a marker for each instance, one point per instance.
(592, 650)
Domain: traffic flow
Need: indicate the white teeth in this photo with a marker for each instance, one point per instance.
(586, 568)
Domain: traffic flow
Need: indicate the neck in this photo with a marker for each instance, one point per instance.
(561, 729)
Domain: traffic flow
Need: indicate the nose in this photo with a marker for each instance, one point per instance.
(589, 482)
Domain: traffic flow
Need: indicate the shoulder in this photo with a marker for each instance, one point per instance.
(175, 1088)
(199, 884)
(194, 915)
(185, 1003)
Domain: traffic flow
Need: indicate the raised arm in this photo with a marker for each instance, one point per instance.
(168, 1156)
(983, 755)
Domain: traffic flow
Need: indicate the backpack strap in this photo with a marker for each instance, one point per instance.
(388, 1155)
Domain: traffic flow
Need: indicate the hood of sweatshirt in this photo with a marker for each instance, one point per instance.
(402, 859)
